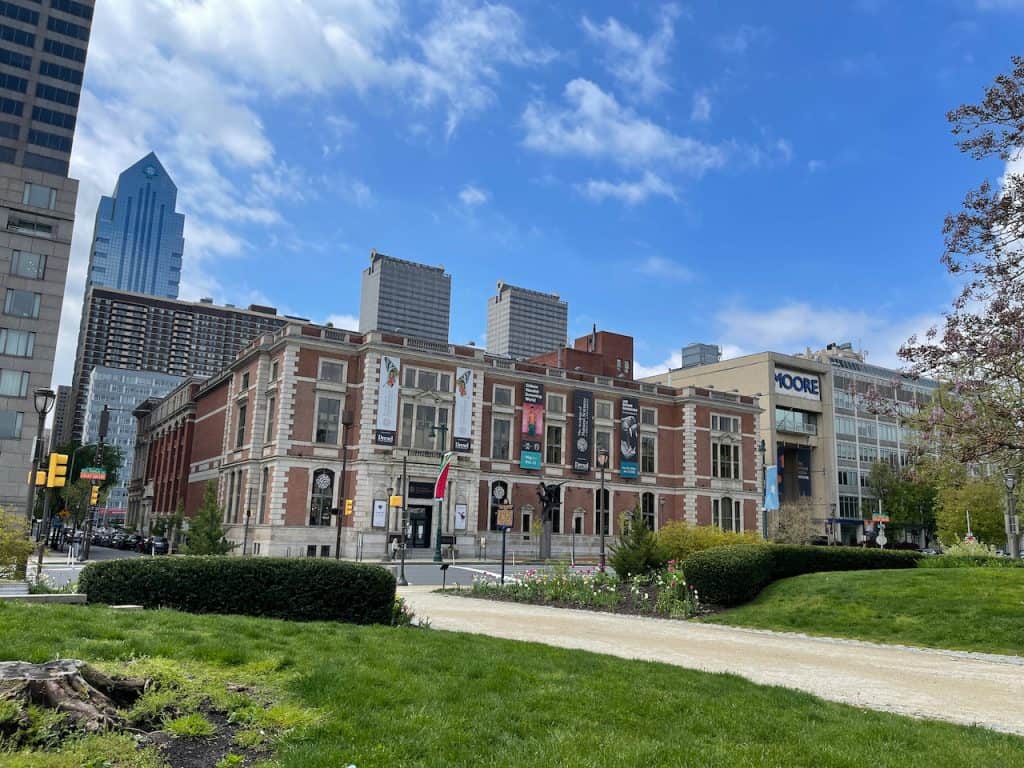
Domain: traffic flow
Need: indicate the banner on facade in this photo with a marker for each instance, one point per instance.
(583, 430)
(441, 484)
(771, 488)
(387, 401)
(628, 427)
(463, 427)
(531, 441)
(795, 384)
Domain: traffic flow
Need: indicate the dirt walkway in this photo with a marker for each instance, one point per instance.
(965, 688)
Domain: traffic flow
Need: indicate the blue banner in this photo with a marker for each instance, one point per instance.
(771, 488)
(629, 469)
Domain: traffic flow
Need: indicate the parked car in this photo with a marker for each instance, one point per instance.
(158, 545)
(129, 541)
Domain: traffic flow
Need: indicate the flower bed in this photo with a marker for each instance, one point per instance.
(665, 594)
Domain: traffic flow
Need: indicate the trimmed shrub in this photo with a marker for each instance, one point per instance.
(968, 561)
(298, 589)
(638, 552)
(735, 574)
(679, 540)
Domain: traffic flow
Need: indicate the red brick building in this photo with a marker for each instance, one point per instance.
(269, 431)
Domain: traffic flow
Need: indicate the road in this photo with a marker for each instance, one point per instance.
(59, 574)
(965, 688)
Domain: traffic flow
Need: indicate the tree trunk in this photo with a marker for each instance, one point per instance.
(88, 697)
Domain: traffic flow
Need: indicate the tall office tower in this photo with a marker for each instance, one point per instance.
(405, 297)
(147, 333)
(61, 417)
(120, 391)
(138, 238)
(700, 354)
(42, 57)
(522, 323)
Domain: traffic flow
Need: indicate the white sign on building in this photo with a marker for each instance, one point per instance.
(796, 384)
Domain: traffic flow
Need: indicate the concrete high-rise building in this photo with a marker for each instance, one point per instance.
(121, 391)
(405, 297)
(59, 434)
(138, 239)
(42, 58)
(522, 323)
(700, 354)
(146, 333)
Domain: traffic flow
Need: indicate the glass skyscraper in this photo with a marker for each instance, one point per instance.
(138, 238)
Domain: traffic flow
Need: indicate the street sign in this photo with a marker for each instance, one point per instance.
(506, 514)
(880, 518)
(93, 473)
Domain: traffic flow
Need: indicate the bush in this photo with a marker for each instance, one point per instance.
(679, 540)
(969, 561)
(638, 553)
(735, 574)
(15, 546)
(294, 589)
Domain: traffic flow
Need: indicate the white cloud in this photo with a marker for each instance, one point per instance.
(628, 192)
(641, 371)
(344, 322)
(472, 196)
(664, 269)
(638, 63)
(593, 124)
(1000, 5)
(701, 111)
(813, 166)
(739, 41)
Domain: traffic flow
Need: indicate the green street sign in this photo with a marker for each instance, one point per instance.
(93, 473)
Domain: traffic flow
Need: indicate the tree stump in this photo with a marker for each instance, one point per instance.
(88, 697)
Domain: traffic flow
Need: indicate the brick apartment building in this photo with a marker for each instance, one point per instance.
(268, 430)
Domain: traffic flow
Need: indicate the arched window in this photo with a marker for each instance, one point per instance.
(322, 497)
(602, 516)
(647, 511)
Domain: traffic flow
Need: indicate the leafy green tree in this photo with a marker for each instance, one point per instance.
(638, 552)
(205, 531)
(15, 546)
(111, 460)
(984, 499)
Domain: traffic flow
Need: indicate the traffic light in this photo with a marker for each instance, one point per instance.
(58, 472)
(94, 496)
(40, 477)
(348, 506)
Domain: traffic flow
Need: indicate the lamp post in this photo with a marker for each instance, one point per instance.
(402, 581)
(443, 429)
(43, 400)
(346, 421)
(245, 528)
(1012, 534)
(763, 447)
(602, 462)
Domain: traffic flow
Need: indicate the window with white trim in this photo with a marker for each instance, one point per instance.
(648, 451)
(603, 441)
(271, 414)
(240, 435)
(556, 405)
(725, 461)
(501, 438)
(722, 423)
(17, 343)
(649, 416)
(332, 371)
(26, 264)
(502, 395)
(602, 514)
(727, 514)
(13, 383)
(554, 444)
(22, 303)
(603, 409)
(427, 379)
(328, 415)
(39, 196)
(424, 426)
(10, 424)
(647, 510)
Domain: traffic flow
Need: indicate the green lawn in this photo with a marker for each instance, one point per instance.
(393, 698)
(973, 609)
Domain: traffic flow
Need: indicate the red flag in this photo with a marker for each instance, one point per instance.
(442, 475)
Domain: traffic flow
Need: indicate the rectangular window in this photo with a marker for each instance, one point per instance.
(13, 383)
(845, 426)
(36, 162)
(72, 7)
(30, 265)
(725, 423)
(53, 117)
(867, 430)
(245, 380)
(271, 406)
(66, 28)
(846, 477)
(13, 82)
(17, 343)
(16, 12)
(554, 444)
(648, 416)
(64, 50)
(725, 461)
(798, 422)
(327, 420)
(55, 94)
(240, 435)
(849, 507)
(273, 371)
(846, 451)
(647, 448)
(39, 196)
(556, 404)
(502, 395)
(844, 400)
(332, 371)
(501, 438)
(603, 441)
(603, 409)
(58, 72)
(887, 432)
(10, 425)
(15, 59)
(311, 550)
(424, 427)
(17, 36)
(325, 550)
(22, 303)
(868, 453)
(727, 514)
(11, 106)
(33, 228)
(427, 380)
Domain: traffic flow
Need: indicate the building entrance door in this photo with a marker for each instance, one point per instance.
(419, 524)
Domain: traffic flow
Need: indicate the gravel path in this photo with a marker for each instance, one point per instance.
(965, 688)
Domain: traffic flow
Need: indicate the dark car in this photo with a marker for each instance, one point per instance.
(128, 541)
(158, 545)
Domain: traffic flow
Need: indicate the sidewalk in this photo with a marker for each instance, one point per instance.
(964, 688)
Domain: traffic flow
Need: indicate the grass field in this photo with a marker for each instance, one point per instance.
(379, 697)
(972, 609)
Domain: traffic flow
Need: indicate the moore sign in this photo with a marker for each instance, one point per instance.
(797, 384)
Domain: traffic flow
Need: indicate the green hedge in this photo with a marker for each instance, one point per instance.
(298, 589)
(735, 574)
(968, 561)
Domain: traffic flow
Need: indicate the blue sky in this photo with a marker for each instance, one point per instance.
(758, 175)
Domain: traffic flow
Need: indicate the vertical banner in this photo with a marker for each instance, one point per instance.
(583, 430)
(803, 470)
(463, 433)
(628, 427)
(533, 426)
(387, 401)
(441, 484)
(771, 488)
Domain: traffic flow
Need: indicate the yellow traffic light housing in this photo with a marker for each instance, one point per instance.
(94, 496)
(348, 506)
(40, 478)
(58, 471)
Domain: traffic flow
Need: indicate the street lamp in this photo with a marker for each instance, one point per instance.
(1013, 535)
(43, 400)
(347, 420)
(602, 463)
(443, 429)
(402, 581)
